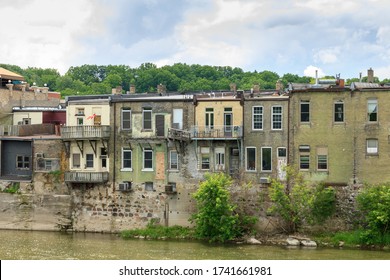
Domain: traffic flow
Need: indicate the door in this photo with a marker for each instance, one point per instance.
(160, 125)
(228, 124)
(234, 162)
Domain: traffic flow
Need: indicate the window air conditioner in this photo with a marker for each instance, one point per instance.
(264, 180)
(39, 155)
(125, 186)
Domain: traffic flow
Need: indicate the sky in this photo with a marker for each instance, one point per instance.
(331, 36)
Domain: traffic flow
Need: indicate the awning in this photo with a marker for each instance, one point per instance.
(8, 75)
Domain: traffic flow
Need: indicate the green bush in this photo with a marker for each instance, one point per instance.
(374, 202)
(323, 204)
(14, 188)
(215, 219)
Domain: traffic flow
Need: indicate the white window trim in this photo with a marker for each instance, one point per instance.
(304, 154)
(246, 159)
(253, 118)
(93, 161)
(334, 111)
(127, 150)
(372, 151)
(143, 160)
(281, 117)
(265, 170)
(170, 160)
(370, 100)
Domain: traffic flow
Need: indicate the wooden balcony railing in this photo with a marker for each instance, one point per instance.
(216, 132)
(85, 131)
(86, 177)
(179, 134)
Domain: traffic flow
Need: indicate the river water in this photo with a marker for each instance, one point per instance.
(34, 245)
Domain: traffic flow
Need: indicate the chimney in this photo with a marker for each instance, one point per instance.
(316, 77)
(360, 77)
(117, 90)
(132, 89)
(370, 75)
(233, 87)
(279, 85)
(161, 89)
(256, 88)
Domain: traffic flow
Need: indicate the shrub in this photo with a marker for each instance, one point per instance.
(374, 202)
(215, 219)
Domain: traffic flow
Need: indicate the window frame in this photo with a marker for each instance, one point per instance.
(261, 118)
(301, 155)
(145, 120)
(79, 161)
(273, 115)
(247, 159)
(89, 161)
(25, 162)
(335, 104)
(319, 162)
(262, 157)
(372, 150)
(374, 112)
(144, 159)
(171, 167)
(304, 102)
(126, 110)
(130, 151)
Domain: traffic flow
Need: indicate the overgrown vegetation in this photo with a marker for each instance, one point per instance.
(374, 202)
(155, 231)
(14, 188)
(298, 203)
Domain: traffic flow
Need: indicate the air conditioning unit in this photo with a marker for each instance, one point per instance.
(125, 187)
(170, 189)
(39, 155)
(176, 125)
(265, 180)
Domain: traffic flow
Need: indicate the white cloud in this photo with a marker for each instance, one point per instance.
(310, 71)
(327, 56)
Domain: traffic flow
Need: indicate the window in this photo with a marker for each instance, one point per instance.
(205, 158)
(22, 162)
(339, 111)
(147, 118)
(305, 111)
(126, 118)
(322, 158)
(277, 112)
(80, 121)
(103, 157)
(26, 121)
(209, 118)
(173, 163)
(177, 118)
(266, 159)
(219, 159)
(47, 164)
(250, 158)
(282, 152)
(127, 159)
(89, 161)
(257, 118)
(76, 161)
(148, 159)
(372, 110)
(80, 112)
(372, 146)
(304, 161)
(149, 186)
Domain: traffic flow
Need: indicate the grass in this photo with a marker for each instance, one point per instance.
(158, 231)
(353, 239)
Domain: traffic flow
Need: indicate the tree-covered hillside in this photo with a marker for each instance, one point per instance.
(181, 77)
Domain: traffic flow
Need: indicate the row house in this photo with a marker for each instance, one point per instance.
(85, 138)
(340, 135)
(150, 135)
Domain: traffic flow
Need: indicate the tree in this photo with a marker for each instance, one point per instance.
(374, 202)
(215, 219)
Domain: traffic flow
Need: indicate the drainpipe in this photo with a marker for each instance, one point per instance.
(114, 151)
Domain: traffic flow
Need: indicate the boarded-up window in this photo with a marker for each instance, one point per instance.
(160, 125)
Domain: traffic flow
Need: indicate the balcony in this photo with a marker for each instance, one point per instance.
(179, 134)
(225, 132)
(85, 132)
(86, 177)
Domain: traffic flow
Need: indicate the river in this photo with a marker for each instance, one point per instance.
(35, 245)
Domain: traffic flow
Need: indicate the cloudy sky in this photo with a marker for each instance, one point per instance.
(283, 36)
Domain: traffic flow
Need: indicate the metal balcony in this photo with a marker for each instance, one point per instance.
(216, 132)
(85, 132)
(179, 134)
(86, 177)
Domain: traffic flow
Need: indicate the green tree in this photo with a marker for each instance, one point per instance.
(374, 202)
(215, 219)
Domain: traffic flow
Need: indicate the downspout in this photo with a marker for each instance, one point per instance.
(114, 151)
